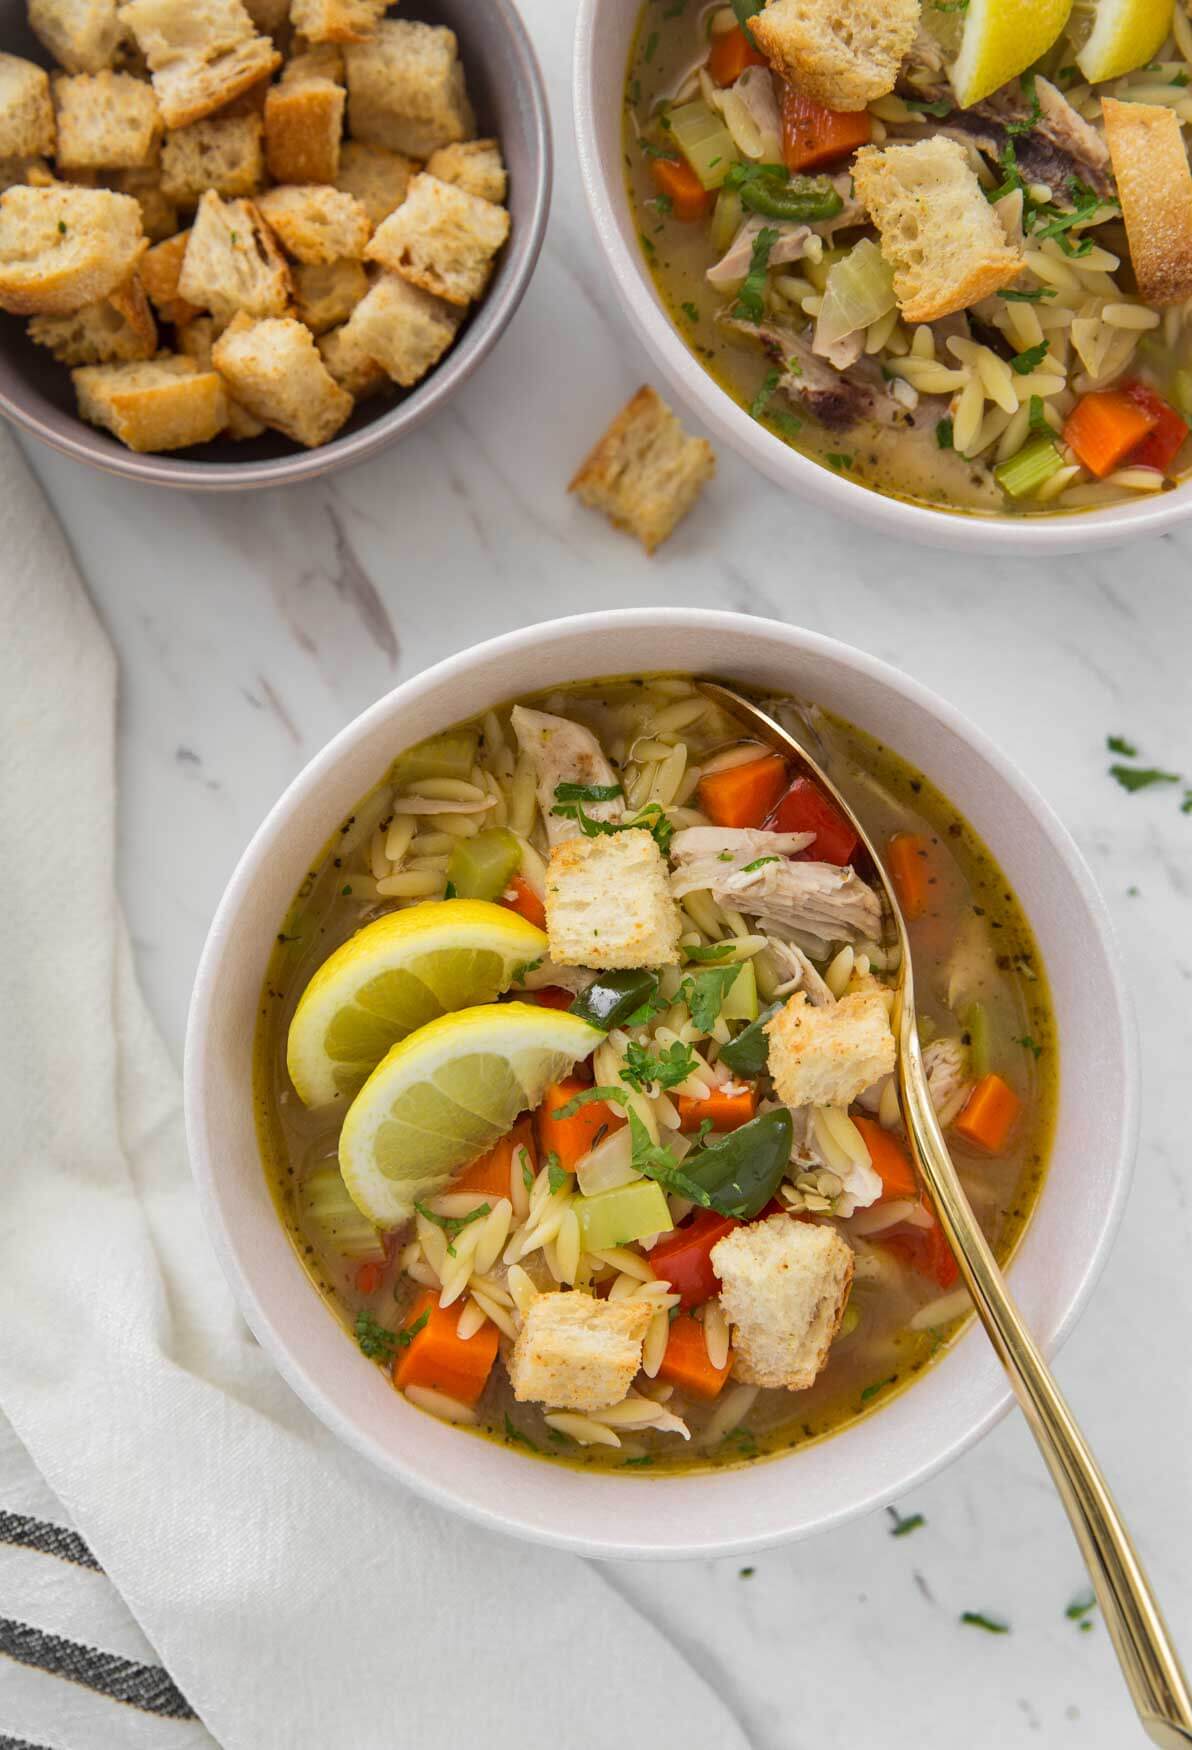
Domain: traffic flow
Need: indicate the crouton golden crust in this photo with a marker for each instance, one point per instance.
(403, 330)
(442, 239)
(1154, 186)
(232, 263)
(114, 329)
(222, 152)
(163, 404)
(160, 269)
(842, 56)
(326, 293)
(609, 904)
(784, 1287)
(82, 35)
(645, 473)
(337, 21)
(315, 223)
(377, 177)
(474, 165)
(406, 89)
(827, 1056)
(106, 121)
(575, 1352)
(303, 125)
(63, 247)
(273, 368)
(26, 111)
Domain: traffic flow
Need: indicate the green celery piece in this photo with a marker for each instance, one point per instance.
(483, 866)
(450, 755)
(704, 141)
(1181, 393)
(630, 1212)
(741, 1002)
(1026, 471)
(324, 1197)
(976, 1025)
(726, 220)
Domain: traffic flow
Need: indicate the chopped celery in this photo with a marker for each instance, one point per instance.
(1025, 472)
(976, 1025)
(740, 1004)
(615, 1218)
(483, 866)
(451, 755)
(1181, 392)
(327, 1204)
(726, 220)
(859, 290)
(703, 139)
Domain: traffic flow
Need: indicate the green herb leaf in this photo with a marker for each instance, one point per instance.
(704, 994)
(523, 970)
(655, 1162)
(977, 1619)
(643, 1458)
(714, 950)
(1026, 122)
(452, 1225)
(651, 45)
(527, 1169)
(1025, 362)
(1031, 297)
(586, 793)
(1141, 777)
(665, 1069)
(556, 1176)
(871, 1391)
(376, 1341)
(750, 305)
(939, 107)
(1028, 1044)
(903, 1527)
(1119, 744)
(838, 460)
(746, 1573)
(585, 1098)
(758, 863)
(515, 1437)
(943, 434)
(758, 406)
(690, 311)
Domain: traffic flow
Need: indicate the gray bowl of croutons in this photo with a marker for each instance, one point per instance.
(244, 242)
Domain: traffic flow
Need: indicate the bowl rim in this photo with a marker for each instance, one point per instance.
(197, 1075)
(489, 322)
(998, 536)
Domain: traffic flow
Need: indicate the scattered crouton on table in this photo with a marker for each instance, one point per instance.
(646, 472)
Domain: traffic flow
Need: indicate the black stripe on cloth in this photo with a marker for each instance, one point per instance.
(7, 1743)
(46, 1539)
(148, 1687)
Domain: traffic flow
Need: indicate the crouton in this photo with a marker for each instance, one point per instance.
(269, 17)
(355, 370)
(82, 35)
(646, 472)
(197, 340)
(827, 1056)
(337, 21)
(842, 56)
(220, 152)
(34, 171)
(326, 293)
(784, 1285)
(164, 404)
(575, 1352)
(474, 165)
(201, 53)
(232, 262)
(406, 89)
(941, 237)
(402, 329)
(26, 110)
(159, 216)
(106, 121)
(159, 270)
(442, 239)
(1154, 186)
(315, 61)
(273, 368)
(377, 177)
(609, 904)
(113, 329)
(316, 223)
(303, 128)
(63, 247)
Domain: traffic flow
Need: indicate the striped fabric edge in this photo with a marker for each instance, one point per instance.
(46, 1539)
(147, 1687)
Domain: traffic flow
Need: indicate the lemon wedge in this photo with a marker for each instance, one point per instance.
(393, 976)
(446, 1094)
(1000, 40)
(1125, 34)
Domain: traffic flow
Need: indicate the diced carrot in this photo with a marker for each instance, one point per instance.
(438, 1358)
(743, 795)
(571, 1138)
(1160, 447)
(520, 897)
(890, 1160)
(728, 1108)
(684, 1258)
(908, 858)
(989, 1114)
(803, 807)
(686, 1362)
(1104, 427)
(676, 179)
(552, 996)
(490, 1175)
(923, 1248)
(813, 135)
(368, 1277)
(731, 53)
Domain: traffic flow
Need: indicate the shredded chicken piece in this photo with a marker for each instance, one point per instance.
(733, 846)
(572, 978)
(796, 972)
(734, 263)
(946, 1063)
(821, 901)
(862, 1185)
(563, 752)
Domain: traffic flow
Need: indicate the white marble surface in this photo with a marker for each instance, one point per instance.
(249, 629)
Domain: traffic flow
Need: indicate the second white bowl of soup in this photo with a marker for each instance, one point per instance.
(1046, 412)
(512, 1211)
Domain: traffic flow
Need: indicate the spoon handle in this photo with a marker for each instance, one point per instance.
(1144, 1648)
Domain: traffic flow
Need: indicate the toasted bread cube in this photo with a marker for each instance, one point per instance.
(355, 370)
(316, 223)
(269, 17)
(441, 239)
(120, 327)
(608, 903)
(827, 1056)
(784, 1285)
(221, 152)
(202, 53)
(164, 404)
(941, 237)
(379, 179)
(842, 56)
(34, 171)
(404, 330)
(326, 293)
(303, 128)
(197, 340)
(274, 369)
(1154, 185)
(337, 21)
(406, 89)
(106, 121)
(63, 247)
(646, 472)
(159, 216)
(315, 61)
(160, 270)
(232, 263)
(474, 165)
(82, 35)
(26, 109)
(575, 1352)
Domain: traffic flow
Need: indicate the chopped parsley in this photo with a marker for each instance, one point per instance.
(758, 863)
(661, 203)
(515, 1437)
(651, 819)
(901, 1527)
(586, 793)
(1028, 1044)
(692, 315)
(940, 107)
(523, 970)
(1180, 79)
(658, 1163)
(978, 1619)
(746, 1573)
(449, 891)
(62, 227)
(378, 1342)
(871, 1391)
(1186, 804)
(1031, 297)
(643, 1458)
(1142, 777)
(714, 950)
(665, 152)
(839, 461)
(1036, 418)
(585, 1098)
(1025, 123)
(758, 406)
(557, 1177)
(1080, 1612)
(949, 5)
(750, 304)
(943, 434)
(786, 423)
(1119, 744)
(704, 994)
(665, 1069)
(527, 1170)
(453, 1225)
(651, 45)
(1025, 362)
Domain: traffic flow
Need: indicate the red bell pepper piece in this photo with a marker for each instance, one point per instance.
(804, 808)
(684, 1258)
(923, 1249)
(1162, 444)
(551, 996)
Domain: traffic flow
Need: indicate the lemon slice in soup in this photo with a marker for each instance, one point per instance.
(1122, 35)
(1000, 40)
(446, 1094)
(393, 976)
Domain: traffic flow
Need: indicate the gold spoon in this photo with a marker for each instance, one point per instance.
(1148, 1659)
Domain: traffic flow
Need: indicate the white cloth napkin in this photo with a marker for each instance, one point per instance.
(296, 1597)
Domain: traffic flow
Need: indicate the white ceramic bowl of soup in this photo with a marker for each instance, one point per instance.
(603, 37)
(893, 1448)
